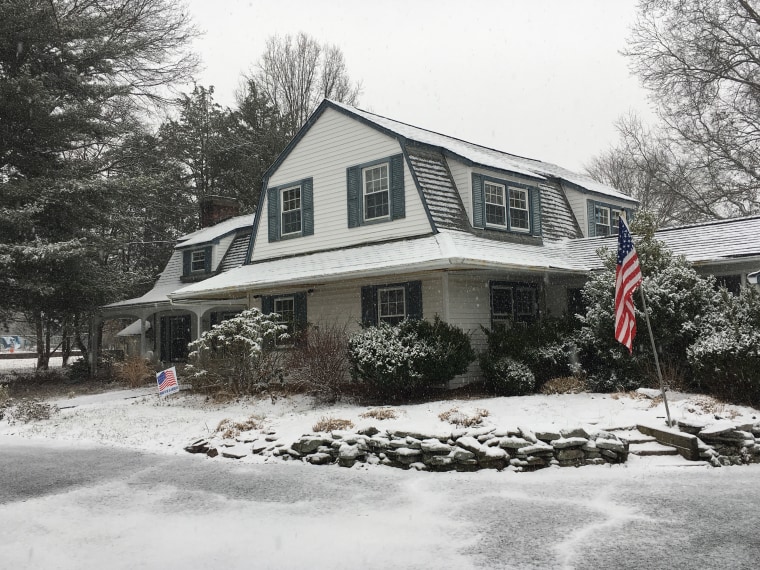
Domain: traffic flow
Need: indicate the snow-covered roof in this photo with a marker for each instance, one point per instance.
(712, 242)
(170, 278)
(706, 243)
(485, 156)
(133, 328)
(207, 235)
(445, 250)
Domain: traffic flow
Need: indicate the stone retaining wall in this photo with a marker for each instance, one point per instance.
(460, 450)
(725, 443)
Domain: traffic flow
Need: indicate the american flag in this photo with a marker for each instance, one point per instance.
(627, 279)
(167, 381)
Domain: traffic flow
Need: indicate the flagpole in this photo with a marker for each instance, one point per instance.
(656, 359)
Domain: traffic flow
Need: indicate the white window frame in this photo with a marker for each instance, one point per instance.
(386, 190)
(512, 208)
(395, 317)
(502, 318)
(291, 324)
(198, 257)
(615, 214)
(598, 222)
(283, 211)
(503, 205)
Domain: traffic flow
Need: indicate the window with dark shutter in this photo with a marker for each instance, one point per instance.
(513, 302)
(292, 313)
(290, 210)
(506, 206)
(391, 303)
(375, 191)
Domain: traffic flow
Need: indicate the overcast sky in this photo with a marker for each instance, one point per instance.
(536, 78)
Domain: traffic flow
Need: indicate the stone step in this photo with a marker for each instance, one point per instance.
(635, 436)
(651, 448)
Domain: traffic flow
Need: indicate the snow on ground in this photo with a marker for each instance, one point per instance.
(140, 419)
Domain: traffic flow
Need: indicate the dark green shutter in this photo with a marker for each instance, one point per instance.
(207, 258)
(307, 207)
(186, 262)
(300, 317)
(414, 299)
(535, 211)
(267, 304)
(273, 211)
(478, 207)
(369, 305)
(353, 184)
(591, 212)
(398, 200)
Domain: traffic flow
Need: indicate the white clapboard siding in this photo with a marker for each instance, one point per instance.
(577, 201)
(219, 249)
(333, 144)
(462, 176)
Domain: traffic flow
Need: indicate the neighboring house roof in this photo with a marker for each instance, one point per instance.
(170, 278)
(133, 328)
(706, 243)
(480, 155)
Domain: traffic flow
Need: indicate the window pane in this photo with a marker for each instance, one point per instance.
(198, 261)
(376, 198)
(525, 302)
(518, 209)
(291, 211)
(285, 307)
(501, 303)
(496, 211)
(391, 305)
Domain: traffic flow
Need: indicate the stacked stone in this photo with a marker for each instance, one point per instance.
(725, 443)
(460, 450)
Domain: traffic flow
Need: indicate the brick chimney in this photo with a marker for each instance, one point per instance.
(215, 209)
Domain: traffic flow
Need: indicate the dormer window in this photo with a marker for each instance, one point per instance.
(197, 261)
(603, 218)
(375, 191)
(502, 205)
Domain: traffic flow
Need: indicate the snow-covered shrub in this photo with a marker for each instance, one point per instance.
(544, 346)
(320, 363)
(506, 376)
(679, 302)
(726, 355)
(233, 355)
(410, 358)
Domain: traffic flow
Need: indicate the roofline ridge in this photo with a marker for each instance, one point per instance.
(709, 223)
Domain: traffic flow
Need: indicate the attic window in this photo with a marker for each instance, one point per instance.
(602, 217)
(518, 210)
(505, 205)
(198, 261)
(496, 207)
(376, 192)
(291, 211)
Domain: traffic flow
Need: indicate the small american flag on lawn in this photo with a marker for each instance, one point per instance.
(167, 381)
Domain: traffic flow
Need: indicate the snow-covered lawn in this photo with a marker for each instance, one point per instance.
(140, 419)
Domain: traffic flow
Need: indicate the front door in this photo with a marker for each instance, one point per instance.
(175, 336)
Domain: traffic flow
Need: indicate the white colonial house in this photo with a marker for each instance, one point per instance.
(365, 219)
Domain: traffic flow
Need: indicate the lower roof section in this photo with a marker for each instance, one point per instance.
(446, 250)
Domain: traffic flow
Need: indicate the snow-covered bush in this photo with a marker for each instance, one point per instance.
(233, 355)
(544, 346)
(506, 376)
(408, 359)
(679, 302)
(726, 355)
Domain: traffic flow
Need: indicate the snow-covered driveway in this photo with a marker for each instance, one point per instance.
(71, 506)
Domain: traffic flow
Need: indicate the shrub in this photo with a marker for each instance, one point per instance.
(134, 371)
(380, 414)
(506, 376)
(544, 346)
(320, 364)
(564, 385)
(726, 355)
(464, 419)
(410, 358)
(331, 424)
(26, 411)
(233, 357)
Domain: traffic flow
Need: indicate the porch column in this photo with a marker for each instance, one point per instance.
(142, 337)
